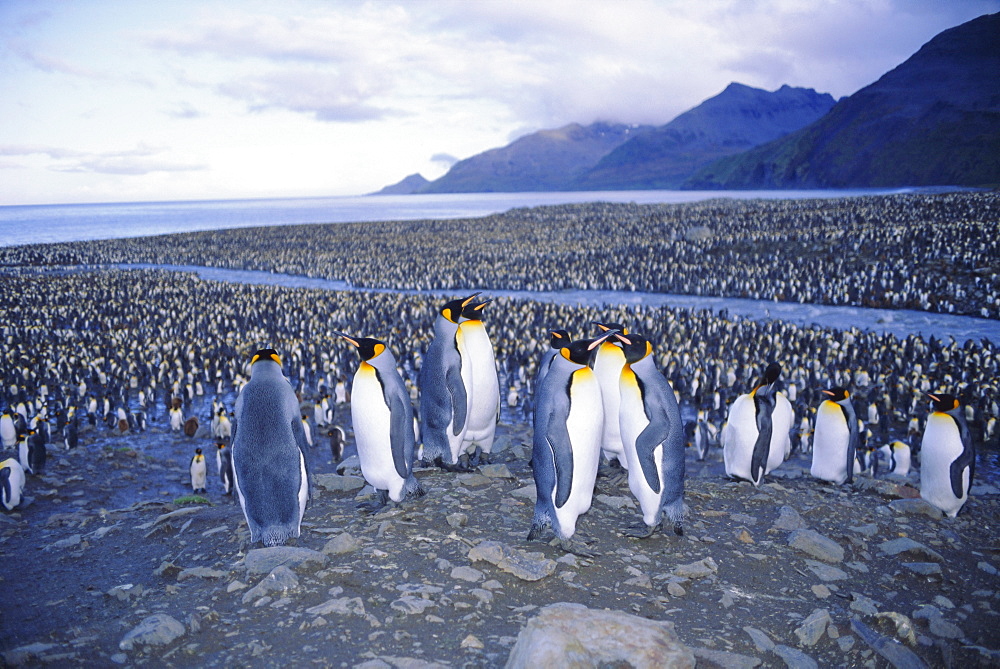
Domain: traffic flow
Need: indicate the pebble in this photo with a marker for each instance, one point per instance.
(341, 605)
(720, 659)
(338, 483)
(826, 572)
(341, 544)
(987, 567)
(527, 492)
(914, 507)
(411, 605)
(457, 519)
(813, 627)
(499, 471)
(264, 560)
(281, 579)
(789, 519)
(472, 480)
(795, 658)
(760, 639)
(869, 530)
(694, 570)
(910, 547)
(158, 629)
(470, 574)
(863, 605)
(200, 572)
(924, 568)
(615, 501)
(821, 591)
(472, 641)
(938, 625)
(676, 590)
(815, 544)
(514, 561)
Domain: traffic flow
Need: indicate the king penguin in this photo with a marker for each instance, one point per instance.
(11, 483)
(199, 472)
(383, 423)
(653, 438)
(225, 462)
(484, 398)
(268, 452)
(8, 431)
(897, 455)
(608, 362)
(557, 339)
(566, 449)
(947, 456)
(445, 382)
(835, 438)
(756, 437)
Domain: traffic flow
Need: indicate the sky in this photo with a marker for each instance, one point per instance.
(136, 100)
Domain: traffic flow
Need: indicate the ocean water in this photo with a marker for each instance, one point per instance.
(44, 224)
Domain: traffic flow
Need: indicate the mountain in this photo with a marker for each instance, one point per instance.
(411, 184)
(542, 161)
(737, 119)
(933, 120)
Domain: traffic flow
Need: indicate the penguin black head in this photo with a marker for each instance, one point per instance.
(558, 338)
(611, 327)
(769, 378)
(581, 351)
(473, 311)
(220, 445)
(368, 348)
(837, 394)
(197, 451)
(636, 347)
(452, 310)
(266, 354)
(944, 402)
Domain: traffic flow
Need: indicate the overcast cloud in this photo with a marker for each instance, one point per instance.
(259, 99)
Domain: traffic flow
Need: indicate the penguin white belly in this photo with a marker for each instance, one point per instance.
(8, 433)
(371, 418)
(739, 437)
(633, 421)
(830, 440)
(15, 482)
(584, 424)
(781, 424)
(608, 369)
(484, 401)
(940, 447)
(456, 441)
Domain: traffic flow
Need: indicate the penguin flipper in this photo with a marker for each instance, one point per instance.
(459, 398)
(957, 469)
(651, 436)
(300, 441)
(557, 440)
(400, 435)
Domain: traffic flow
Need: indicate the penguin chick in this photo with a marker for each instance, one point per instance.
(383, 423)
(337, 442)
(268, 452)
(199, 472)
(652, 437)
(947, 456)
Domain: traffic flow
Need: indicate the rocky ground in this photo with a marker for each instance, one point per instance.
(106, 564)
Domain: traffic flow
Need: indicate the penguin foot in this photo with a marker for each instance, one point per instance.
(458, 467)
(536, 532)
(640, 531)
(609, 469)
(376, 504)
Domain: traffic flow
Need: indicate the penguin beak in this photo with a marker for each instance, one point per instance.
(466, 301)
(600, 340)
(353, 342)
(620, 337)
(479, 307)
(827, 392)
(933, 397)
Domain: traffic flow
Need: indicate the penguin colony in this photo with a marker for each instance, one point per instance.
(911, 251)
(115, 356)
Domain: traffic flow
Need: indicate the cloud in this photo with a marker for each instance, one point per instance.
(51, 64)
(445, 159)
(184, 110)
(130, 166)
(38, 149)
(140, 160)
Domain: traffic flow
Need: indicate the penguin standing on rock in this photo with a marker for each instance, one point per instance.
(756, 438)
(484, 399)
(947, 456)
(445, 385)
(653, 438)
(268, 452)
(566, 450)
(835, 438)
(199, 472)
(383, 423)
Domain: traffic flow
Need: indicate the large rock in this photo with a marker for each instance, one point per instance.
(264, 560)
(907, 546)
(281, 579)
(338, 483)
(158, 629)
(573, 636)
(815, 544)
